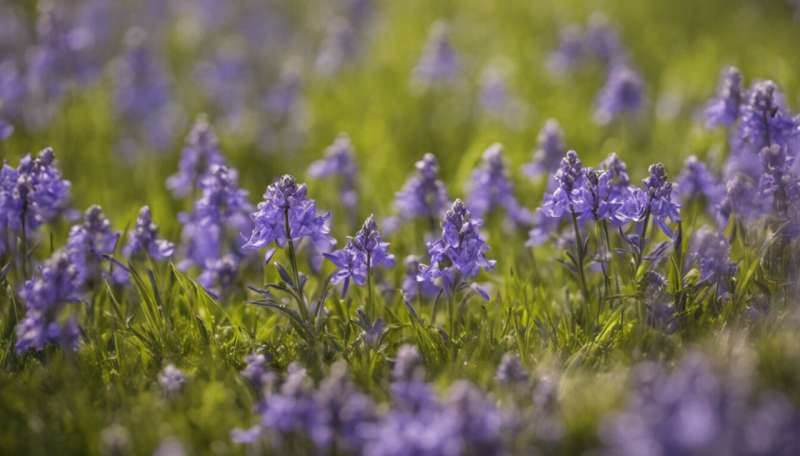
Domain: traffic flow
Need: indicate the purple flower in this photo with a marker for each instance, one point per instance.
(459, 254)
(600, 198)
(293, 409)
(6, 130)
(491, 187)
(571, 51)
(550, 150)
(200, 154)
(697, 182)
(411, 286)
(288, 214)
(339, 47)
(89, 243)
(408, 364)
(423, 195)
(342, 411)
(144, 239)
(45, 297)
(256, 370)
(283, 99)
(362, 252)
(623, 94)
(33, 194)
(477, 420)
(657, 192)
(212, 231)
(741, 199)
(779, 188)
(510, 370)
(602, 41)
(171, 379)
(710, 251)
(439, 62)
(764, 121)
(143, 94)
(723, 109)
(339, 160)
(566, 184)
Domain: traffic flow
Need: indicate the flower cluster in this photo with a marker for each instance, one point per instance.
(491, 187)
(339, 160)
(549, 151)
(199, 155)
(439, 62)
(144, 240)
(32, 194)
(360, 255)
(89, 244)
(599, 41)
(423, 195)
(287, 215)
(459, 254)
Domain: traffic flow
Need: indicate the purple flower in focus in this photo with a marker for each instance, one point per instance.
(200, 154)
(723, 109)
(144, 239)
(491, 187)
(566, 184)
(285, 214)
(439, 62)
(45, 297)
(459, 254)
(423, 195)
(361, 254)
(657, 192)
(550, 150)
(623, 94)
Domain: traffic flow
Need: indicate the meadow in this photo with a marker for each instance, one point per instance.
(399, 228)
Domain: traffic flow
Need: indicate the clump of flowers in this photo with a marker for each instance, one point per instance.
(723, 109)
(549, 151)
(491, 187)
(89, 244)
(199, 155)
(422, 196)
(339, 161)
(623, 94)
(439, 62)
(144, 240)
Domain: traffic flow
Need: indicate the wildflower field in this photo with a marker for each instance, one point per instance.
(400, 228)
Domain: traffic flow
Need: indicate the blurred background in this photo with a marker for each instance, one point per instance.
(114, 86)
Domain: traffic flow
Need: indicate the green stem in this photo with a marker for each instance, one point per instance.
(370, 300)
(581, 256)
(295, 274)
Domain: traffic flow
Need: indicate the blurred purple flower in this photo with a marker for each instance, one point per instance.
(339, 160)
(423, 195)
(171, 379)
(622, 94)
(697, 182)
(89, 243)
(439, 62)
(710, 251)
(491, 187)
(550, 150)
(144, 239)
(723, 109)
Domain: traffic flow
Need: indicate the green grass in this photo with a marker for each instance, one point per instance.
(61, 402)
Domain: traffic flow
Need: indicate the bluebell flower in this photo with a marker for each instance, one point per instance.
(287, 213)
(491, 187)
(439, 62)
(222, 207)
(45, 296)
(339, 47)
(599, 198)
(741, 199)
(256, 371)
(13, 90)
(623, 94)
(602, 41)
(550, 150)
(697, 182)
(571, 51)
(566, 184)
(293, 408)
(408, 364)
(283, 99)
(510, 370)
(33, 194)
(342, 411)
(144, 239)
(710, 252)
(765, 121)
(477, 420)
(723, 109)
(779, 188)
(199, 155)
(411, 286)
(89, 243)
(6, 130)
(657, 198)
(171, 379)
(219, 274)
(339, 160)
(423, 195)
(362, 253)
(459, 254)
(143, 95)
